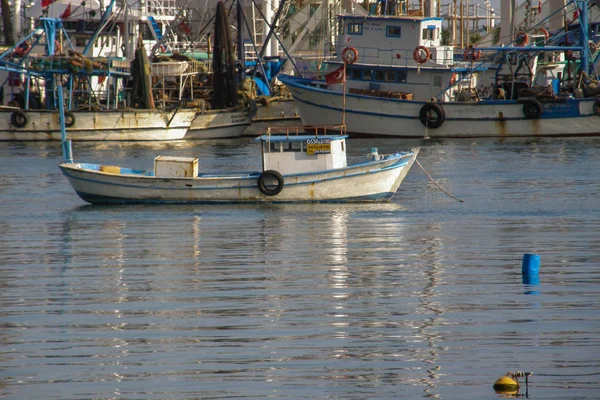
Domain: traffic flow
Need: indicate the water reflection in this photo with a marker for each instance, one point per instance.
(421, 297)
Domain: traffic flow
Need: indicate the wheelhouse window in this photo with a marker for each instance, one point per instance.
(355, 73)
(393, 31)
(292, 146)
(390, 76)
(430, 33)
(355, 29)
(401, 76)
(379, 75)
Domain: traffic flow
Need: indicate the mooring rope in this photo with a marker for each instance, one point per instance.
(435, 183)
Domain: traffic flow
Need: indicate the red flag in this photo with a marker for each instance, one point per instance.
(66, 13)
(336, 76)
(575, 15)
(46, 3)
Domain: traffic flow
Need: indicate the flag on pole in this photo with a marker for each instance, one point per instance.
(336, 76)
(46, 3)
(67, 13)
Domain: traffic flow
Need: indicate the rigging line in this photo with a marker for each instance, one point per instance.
(435, 183)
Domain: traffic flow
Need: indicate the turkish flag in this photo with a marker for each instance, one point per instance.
(46, 3)
(336, 76)
(67, 13)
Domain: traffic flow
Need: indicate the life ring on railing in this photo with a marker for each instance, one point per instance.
(521, 39)
(23, 48)
(544, 32)
(349, 55)
(18, 119)
(596, 107)
(265, 182)
(453, 79)
(432, 115)
(421, 54)
(532, 108)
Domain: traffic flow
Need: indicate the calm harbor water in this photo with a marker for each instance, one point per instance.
(419, 297)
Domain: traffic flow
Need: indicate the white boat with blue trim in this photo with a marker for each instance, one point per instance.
(402, 82)
(296, 167)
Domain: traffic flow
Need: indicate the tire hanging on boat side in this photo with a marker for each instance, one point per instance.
(532, 108)
(224, 72)
(265, 179)
(596, 107)
(18, 119)
(432, 115)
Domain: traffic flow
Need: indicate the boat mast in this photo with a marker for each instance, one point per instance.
(583, 35)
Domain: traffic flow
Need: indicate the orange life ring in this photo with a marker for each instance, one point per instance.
(521, 39)
(56, 47)
(453, 79)
(545, 33)
(421, 54)
(349, 55)
(472, 55)
(23, 48)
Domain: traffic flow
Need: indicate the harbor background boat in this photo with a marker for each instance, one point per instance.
(420, 297)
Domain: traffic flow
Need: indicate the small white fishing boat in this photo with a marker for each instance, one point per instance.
(296, 167)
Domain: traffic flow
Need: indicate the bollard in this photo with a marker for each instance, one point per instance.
(530, 269)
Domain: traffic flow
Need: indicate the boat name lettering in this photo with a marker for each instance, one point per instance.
(237, 118)
(318, 141)
(318, 146)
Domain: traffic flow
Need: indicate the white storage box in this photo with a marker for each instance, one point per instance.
(175, 167)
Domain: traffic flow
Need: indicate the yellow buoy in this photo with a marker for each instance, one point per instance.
(506, 385)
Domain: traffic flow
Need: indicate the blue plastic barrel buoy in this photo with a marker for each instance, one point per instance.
(530, 269)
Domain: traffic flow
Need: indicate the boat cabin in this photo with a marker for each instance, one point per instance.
(392, 40)
(303, 153)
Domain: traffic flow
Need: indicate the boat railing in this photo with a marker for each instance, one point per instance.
(291, 130)
(440, 56)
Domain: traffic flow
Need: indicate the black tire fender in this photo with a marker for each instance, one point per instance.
(532, 108)
(596, 107)
(265, 182)
(69, 119)
(427, 118)
(18, 119)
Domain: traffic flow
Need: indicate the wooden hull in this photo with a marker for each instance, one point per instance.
(376, 116)
(365, 182)
(129, 125)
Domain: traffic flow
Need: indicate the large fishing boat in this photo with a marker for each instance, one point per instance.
(403, 82)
